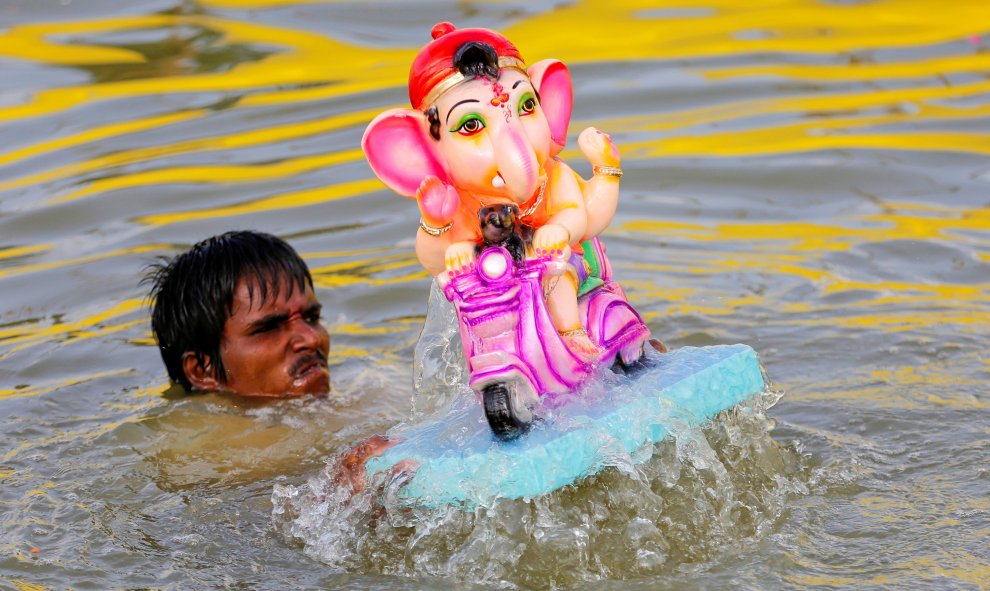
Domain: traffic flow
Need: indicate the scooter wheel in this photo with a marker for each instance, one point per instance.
(506, 421)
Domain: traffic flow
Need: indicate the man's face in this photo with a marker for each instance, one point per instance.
(275, 349)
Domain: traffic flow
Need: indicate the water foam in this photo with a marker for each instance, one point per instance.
(659, 510)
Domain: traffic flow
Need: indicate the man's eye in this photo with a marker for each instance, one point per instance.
(470, 126)
(313, 317)
(527, 106)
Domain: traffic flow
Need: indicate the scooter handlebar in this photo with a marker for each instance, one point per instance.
(453, 284)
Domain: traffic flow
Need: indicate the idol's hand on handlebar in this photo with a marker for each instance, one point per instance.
(459, 257)
(551, 241)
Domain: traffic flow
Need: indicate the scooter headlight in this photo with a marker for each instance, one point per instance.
(495, 264)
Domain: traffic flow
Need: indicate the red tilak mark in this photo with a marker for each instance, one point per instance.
(499, 94)
(501, 100)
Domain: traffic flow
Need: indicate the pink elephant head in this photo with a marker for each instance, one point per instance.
(480, 120)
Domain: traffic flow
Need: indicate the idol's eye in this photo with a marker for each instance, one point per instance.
(527, 105)
(469, 125)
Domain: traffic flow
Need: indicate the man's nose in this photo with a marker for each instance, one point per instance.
(306, 335)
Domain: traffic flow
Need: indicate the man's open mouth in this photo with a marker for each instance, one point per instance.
(307, 367)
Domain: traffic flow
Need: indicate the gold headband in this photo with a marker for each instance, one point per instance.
(456, 78)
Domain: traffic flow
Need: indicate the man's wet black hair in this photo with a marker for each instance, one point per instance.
(473, 59)
(193, 293)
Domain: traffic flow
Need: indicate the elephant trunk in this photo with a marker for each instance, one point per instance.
(517, 163)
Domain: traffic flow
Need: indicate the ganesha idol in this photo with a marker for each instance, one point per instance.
(479, 147)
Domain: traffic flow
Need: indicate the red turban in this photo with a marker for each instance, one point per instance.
(433, 69)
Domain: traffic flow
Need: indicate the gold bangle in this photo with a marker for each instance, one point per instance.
(434, 231)
(608, 171)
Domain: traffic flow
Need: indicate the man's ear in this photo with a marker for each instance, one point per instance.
(200, 372)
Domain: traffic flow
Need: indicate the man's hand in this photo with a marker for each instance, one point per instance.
(350, 470)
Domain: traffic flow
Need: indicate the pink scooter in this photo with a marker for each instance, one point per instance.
(515, 355)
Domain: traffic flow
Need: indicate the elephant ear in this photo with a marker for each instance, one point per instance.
(552, 80)
(400, 150)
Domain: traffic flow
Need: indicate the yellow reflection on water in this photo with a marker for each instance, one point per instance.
(833, 581)
(722, 306)
(634, 30)
(275, 202)
(809, 136)
(904, 387)
(956, 565)
(897, 104)
(96, 134)
(917, 222)
(87, 433)
(858, 70)
(303, 60)
(360, 329)
(39, 389)
(63, 263)
(96, 325)
(641, 29)
(365, 271)
(924, 222)
(13, 252)
(364, 267)
(235, 141)
(800, 249)
(256, 4)
(237, 173)
(29, 42)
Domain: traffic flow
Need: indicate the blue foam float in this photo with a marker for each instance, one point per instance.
(461, 463)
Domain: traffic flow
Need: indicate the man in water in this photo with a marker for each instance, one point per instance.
(237, 314)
